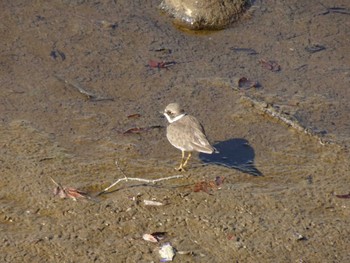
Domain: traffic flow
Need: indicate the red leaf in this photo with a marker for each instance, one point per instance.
(346, 196)
(136, 115)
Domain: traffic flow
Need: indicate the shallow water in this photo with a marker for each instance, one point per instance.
(49, 129)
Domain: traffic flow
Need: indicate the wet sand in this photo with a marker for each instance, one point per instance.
(50, 129)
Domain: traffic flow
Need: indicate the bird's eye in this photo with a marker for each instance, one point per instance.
(168, 112)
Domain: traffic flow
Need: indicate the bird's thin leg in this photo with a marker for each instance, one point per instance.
(180, 168)
(188, 157)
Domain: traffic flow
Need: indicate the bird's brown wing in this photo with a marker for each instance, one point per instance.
(199, 140)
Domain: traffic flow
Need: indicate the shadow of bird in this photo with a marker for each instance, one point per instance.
(233, 153)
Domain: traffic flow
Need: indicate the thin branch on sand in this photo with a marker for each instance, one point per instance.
(126, 178)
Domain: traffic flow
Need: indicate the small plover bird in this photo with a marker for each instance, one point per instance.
(185, 133)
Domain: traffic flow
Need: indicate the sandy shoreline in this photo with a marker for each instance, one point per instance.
(51, 129)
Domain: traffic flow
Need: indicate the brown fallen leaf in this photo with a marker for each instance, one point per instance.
(160, 64)
(231, 236)
(207, 186)
(68, 192)
(136, 115)
(204, 186)
(346, 196)
(219, 180)
(270, 65)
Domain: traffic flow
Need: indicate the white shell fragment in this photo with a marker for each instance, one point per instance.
(150, 238)
(150, 202)
(166, 252)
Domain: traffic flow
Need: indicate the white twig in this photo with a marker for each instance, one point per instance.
(137, 179)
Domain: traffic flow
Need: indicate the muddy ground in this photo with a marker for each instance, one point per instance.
(49, 129)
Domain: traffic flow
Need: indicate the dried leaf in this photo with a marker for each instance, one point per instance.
(69, 192)
(75, 193)
(136, 115)
(207, 186)
(204, 187)
(219, 180)
(58, 191)
(270, 65)
(346, 196)
(160, 64)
